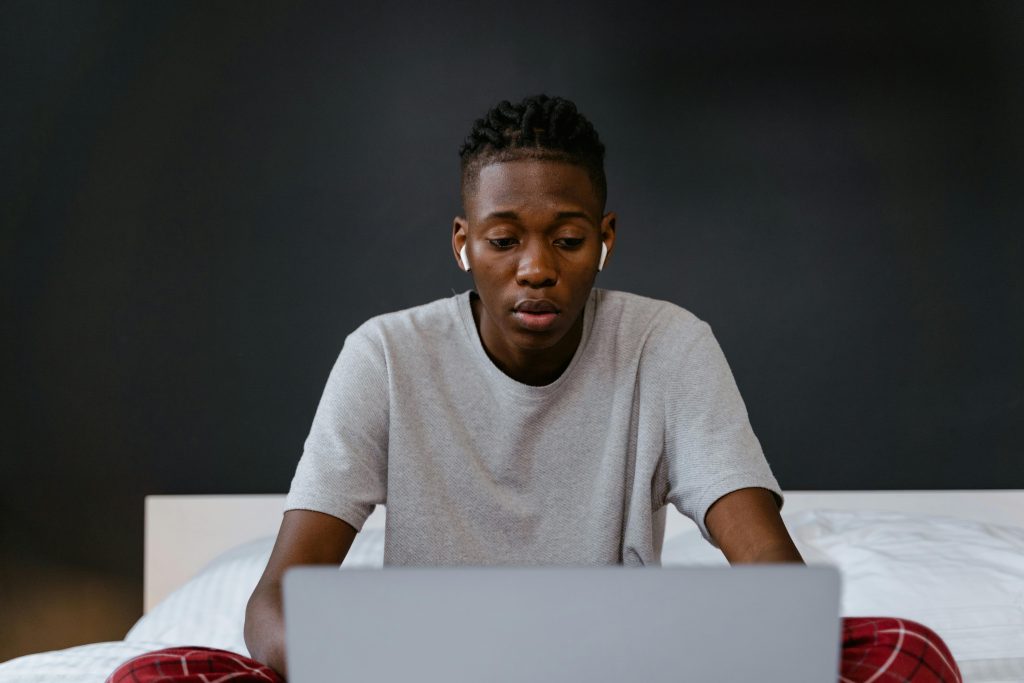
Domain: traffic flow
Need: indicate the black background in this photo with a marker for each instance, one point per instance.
(202, 200)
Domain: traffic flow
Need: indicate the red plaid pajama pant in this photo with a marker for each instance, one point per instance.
(882, 649)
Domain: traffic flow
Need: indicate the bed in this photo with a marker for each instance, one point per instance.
(953, 560)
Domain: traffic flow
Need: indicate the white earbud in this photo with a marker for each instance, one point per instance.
(604, 253)
(465, 259)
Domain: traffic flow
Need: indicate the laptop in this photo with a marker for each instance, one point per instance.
(777, 622)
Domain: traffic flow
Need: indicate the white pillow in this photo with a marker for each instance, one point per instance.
(209, 609)
(962, 579)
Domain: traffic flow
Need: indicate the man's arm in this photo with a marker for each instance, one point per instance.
(748, 528)
(305, 537)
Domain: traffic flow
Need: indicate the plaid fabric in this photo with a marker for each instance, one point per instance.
(880, 649)
(193, 665)
(890, 650)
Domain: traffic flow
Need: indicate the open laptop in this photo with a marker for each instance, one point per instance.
(766, 623)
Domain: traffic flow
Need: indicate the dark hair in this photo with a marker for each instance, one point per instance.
(539, 127)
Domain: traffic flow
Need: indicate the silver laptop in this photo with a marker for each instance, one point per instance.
(459, 625)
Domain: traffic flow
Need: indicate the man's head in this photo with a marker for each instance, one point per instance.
(533, 190)
(539, 127)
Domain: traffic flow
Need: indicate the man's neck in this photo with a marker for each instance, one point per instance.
(533, 367)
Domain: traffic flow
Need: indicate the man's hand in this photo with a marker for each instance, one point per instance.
(748, 528)
(305, 537)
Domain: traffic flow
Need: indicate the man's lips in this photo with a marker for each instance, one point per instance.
(536, 306)
(536, 314)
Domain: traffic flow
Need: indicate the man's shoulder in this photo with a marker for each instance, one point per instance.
(643, 315)
(423, 322)
(667, 337)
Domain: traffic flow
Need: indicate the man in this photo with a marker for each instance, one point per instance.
(533, 419)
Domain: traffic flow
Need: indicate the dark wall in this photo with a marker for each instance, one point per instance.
(201, 201)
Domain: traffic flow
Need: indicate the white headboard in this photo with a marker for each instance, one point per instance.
(183, 533)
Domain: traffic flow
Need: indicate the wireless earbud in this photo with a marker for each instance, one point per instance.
(465, 259)
(604, 253)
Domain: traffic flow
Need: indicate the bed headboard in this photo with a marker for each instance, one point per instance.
(183, 533)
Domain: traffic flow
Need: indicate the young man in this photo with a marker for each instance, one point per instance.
(536, 420)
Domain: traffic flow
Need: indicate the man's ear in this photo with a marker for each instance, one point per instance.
(608, 233)
(460, 233)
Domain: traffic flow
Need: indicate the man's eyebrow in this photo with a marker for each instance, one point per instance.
(512, 215)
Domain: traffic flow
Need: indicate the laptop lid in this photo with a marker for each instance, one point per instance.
(776, 622)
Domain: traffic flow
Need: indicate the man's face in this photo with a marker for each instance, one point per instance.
(533, 231)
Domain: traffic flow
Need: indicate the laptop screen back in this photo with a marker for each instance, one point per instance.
(457, 625)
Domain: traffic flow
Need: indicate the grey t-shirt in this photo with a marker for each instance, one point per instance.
(478, 469)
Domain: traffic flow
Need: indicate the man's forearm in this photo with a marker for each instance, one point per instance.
(264, 628)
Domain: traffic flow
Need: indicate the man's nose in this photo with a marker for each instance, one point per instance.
(537, 265)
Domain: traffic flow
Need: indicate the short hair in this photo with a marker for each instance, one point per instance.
(539, 127)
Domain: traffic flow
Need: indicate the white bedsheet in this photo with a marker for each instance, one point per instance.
(993, 670)
(963, 579)
(82, 664)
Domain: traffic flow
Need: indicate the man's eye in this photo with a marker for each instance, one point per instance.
(502, 242)
(571, 241)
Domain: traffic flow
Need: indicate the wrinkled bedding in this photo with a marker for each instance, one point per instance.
(963, 579)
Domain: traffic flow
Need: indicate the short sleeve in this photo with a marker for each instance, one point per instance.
(710, 446)
(343, 468)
